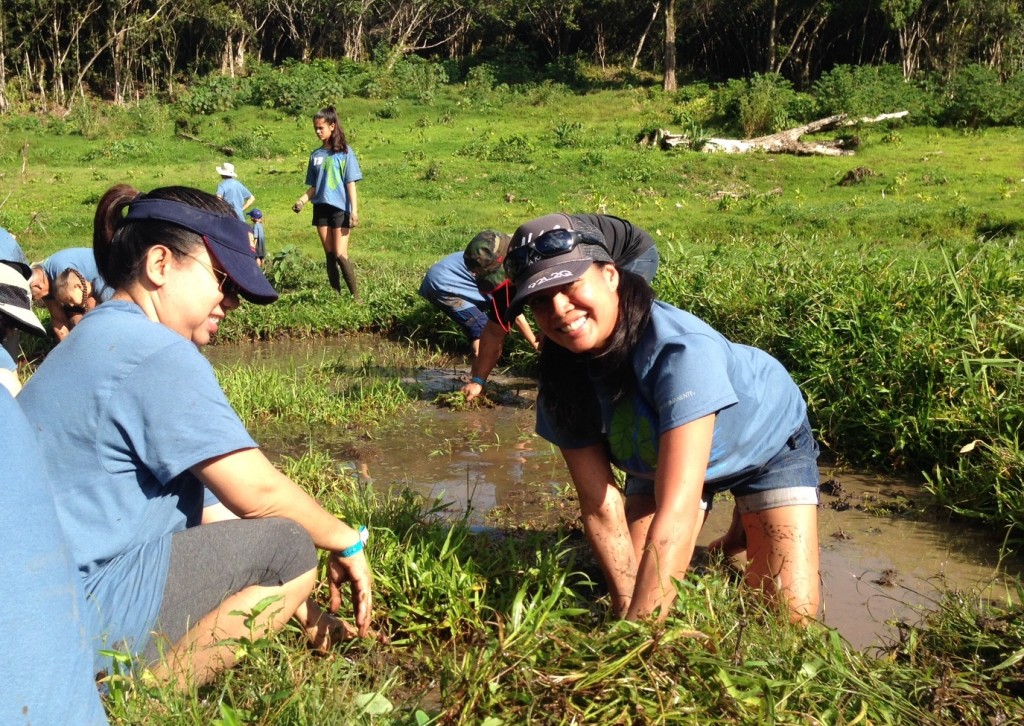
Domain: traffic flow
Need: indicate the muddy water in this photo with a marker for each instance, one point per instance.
(877, 566)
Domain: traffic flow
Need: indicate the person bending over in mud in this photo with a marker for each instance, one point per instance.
(633, 382)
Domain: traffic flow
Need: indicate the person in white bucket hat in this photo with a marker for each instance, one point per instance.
(232, 191)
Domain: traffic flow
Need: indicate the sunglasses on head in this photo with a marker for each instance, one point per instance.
(550, 244)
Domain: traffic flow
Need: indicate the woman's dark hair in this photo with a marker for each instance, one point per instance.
(120, 246)
(337, 142)
(567, 379)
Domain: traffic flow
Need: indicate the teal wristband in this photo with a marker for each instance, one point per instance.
(479, 381)
(364, 537)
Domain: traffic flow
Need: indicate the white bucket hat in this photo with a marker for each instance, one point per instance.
(16, 299)
(227, 170)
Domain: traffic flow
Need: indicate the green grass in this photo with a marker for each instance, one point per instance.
(514, 630)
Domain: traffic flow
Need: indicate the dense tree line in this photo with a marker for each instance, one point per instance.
(56, 50)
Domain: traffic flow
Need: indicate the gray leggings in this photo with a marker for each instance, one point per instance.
(214, 561)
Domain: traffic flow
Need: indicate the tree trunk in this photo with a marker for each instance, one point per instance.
(643, 38)
(773, 30)
(670, 46)
(784, 142)
(5, 104)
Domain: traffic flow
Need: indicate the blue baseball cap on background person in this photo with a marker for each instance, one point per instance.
(255, 213)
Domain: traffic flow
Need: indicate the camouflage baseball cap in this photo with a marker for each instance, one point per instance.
(483, 258)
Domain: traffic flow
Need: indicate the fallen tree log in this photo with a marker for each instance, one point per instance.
(783, 142)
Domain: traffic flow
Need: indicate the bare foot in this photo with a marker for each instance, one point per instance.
(729, 546)
(327, 631)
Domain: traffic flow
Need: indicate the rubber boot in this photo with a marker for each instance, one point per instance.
(349, 272)
(332, 271)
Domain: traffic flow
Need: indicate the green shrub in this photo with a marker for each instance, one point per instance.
(871, 90)
(977, 97)
(125, 150)
(210, 94)
(255, 143)
(568, 133)
(762, 104)
(298, 87)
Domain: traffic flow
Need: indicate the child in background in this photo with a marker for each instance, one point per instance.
(331, 176)
(258, 235)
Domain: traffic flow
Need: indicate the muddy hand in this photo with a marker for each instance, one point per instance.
(356, 571)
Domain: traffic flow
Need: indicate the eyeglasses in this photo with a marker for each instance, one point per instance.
(224, 283)
(550, 244)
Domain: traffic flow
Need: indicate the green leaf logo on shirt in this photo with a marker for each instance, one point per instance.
(335, 174)
(631, 436)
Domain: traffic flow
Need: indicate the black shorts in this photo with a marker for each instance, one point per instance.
(327, 215)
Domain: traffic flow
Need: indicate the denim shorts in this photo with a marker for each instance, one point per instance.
(789, 478)
(327, 215)
(468, 315)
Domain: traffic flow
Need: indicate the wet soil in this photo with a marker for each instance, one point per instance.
(884, 560)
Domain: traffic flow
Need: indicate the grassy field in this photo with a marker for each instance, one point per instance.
(895, 302)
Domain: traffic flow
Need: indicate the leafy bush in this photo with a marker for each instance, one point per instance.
(256, 142)
(871, 90)
(977, 97)
(762, 104)
(289, 269)
(210, 94)
(300, 87)
(515, 148)
(419, 79)
(125, 150)
(568, 133)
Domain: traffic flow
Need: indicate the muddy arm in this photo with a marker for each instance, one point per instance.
(492, 340)
(604, 520)
(251, 487)
(683, 456)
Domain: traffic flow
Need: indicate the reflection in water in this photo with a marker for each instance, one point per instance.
(874, 569)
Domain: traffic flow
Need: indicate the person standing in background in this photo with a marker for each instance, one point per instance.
(232, 191)
(331, 176)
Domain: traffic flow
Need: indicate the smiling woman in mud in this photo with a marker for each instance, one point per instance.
(150, 429)
(634, 382)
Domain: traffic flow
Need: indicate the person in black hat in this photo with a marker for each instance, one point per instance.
(629, 381)
(15, 315)
(630, 246)
(151, 431)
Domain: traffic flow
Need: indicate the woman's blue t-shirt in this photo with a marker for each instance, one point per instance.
(328, 173)
(123, 408)
(686, 370)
